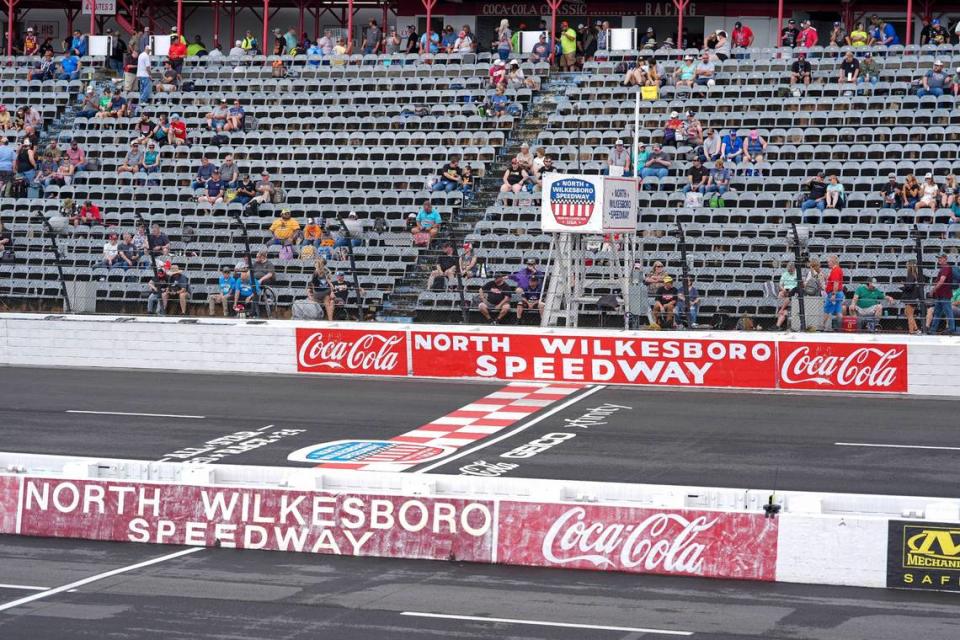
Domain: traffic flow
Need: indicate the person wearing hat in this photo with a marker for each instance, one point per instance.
(588, 42)
(446, 268)
(266, 190)
(869, 70)
(754, 146)
(463, 43)
(686, 72)
(692, 130)
(541, 50)
(285, 230)
(890, 192)
(157, 290)
(217, 118)
(618, 161)
(177, 52)
(672, 128)
(531, 297)
(468, 260)
(789, 34)
(177, 133)
(495, 296)
(341, 290)
(742, 38)
(568, 47)
(603, 38)
(658, 164)
(868, 302)
(249, 43)
(933, 81)
(246, 293)
(941, 294)
(498, 73)
(808, 36)
(838, 35)
(665, 304)
(224, 294)
(531, 269)
(801, 70)
(31, 45)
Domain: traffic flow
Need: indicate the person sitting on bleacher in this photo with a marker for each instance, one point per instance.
(341, 290)
(531, 297)
(719, 182)
(450, 176)
(694, 311)
(43, 69)
(732, 147)
(224, 294)
(657, 165)
(265, 189)
(868, 302)
(204, 172)
(69, 66)
(929, 195)
(116, 107)
(131, 161)
(229, 172)
(934, 81)
(665, 304)
(157, 241)
(88, 214)
(706, 71)
(686, 73)
(789, 34)
(169, 79)
(869, 70)
(618, 161)
(319, 287)
(849, 70)
(539, 175)
(285, 230)
(213, 190)
(522, 277)
(697, 177)
(130, 254)
(712, 146)
(178, 130)
(495, 296)
(426, 221)
(540, 51)
(801, 70)
(816, 197)
(514, 178)
(235, 117)
(910, 194)
(836, 194)
(246, 190)
(217, 118)
(246, 294)
(446, 267)
(692, 130)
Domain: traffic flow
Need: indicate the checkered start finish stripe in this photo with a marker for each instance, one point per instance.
(475, 421)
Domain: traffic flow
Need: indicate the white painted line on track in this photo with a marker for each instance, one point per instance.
(99, 576)
(544, 623)
(486, 443)
(144, 415)
(894, 446)
(26, 587)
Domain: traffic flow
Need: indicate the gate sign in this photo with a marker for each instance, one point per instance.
(104, 7)
(588, 204)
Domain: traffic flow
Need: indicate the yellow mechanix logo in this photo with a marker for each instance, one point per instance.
(931, 547)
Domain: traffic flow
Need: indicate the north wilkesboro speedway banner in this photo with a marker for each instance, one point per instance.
(714, 544)
(923, 555)
(615, 359)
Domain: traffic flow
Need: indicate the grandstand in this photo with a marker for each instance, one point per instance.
(369, 134)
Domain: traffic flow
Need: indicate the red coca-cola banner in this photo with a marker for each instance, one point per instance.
(833, 366)
(598, 359)
(9, 497)
(352, 351)
(673, 542)
(273, 519)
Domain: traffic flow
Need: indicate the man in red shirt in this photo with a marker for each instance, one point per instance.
(833, 302)
(177, 52)
(808, 35)
(941, 293)
(178, 130)
(742, 38)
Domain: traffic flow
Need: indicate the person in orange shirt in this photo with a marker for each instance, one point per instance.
(312, 233)
(176, 53)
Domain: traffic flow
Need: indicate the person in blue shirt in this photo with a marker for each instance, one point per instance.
(79, 43)
(883, 32)
(732, 145)
(434, 42)
(449, 37)
(224, 295)
(531, 297)
(246, 292)
(428, 221)
(316, 52)
(70, 66)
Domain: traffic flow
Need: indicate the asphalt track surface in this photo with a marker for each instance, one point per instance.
(254, 595)
(676, 437)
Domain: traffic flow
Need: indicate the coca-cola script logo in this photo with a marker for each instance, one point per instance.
(844, 367)
(351, 351)
(662, 542)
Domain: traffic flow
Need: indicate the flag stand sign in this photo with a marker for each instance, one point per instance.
(593, 222)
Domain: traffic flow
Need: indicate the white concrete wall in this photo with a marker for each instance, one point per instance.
(837, 550)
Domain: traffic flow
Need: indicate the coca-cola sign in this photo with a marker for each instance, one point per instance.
(352, 351)
(843, 367)
(673, 542)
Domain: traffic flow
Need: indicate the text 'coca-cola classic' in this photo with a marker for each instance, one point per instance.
(672, 542)
(843, 367)
(352, 351)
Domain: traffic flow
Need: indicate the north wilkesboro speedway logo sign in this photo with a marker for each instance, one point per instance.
(368, 451)
(923, 555)
(572, 201)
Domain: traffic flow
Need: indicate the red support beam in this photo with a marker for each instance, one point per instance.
(554, 5)
(233, 22)
(428, 5)
(180, 17)
(266, 28)
(779, 24)
(847, 15)
(681, 6)
(11, 18)
(93, 16)
(383, 24)
(300, 7)
(909, 22)
(216, 23)
(350, 25)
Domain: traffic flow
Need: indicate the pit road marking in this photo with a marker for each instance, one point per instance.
(543, 623)
(142, 415)
(894, 446)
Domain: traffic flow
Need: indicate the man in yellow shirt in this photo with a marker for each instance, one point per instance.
(285, 230)
(568, 47)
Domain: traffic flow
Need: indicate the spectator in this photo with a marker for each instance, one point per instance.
(732, 148)
(838, 35)
(869, 70)
(434, 43)
(790, 35)
(808, 36)
(463, 43)
(801, 70)
(721, 49)
(169, 79)
(522, 277)
(176, 53)
(7, 159)
(941, 295)
(911, 294)
(266, 190)
(789, 287)
(495, 296)
(157, 289)
(204, 172)
(835, 193)
(665, 304)
(719, 181)
(890, 192)
(285, 230)
(531, 297)
(499, 102)
(197, 48)
(514, 178)
(157, 241)
(833, 294)
(235, 52)
(692, 131)
(31, 45)
(6, 245)
(815, 281)
(618, 161)
(910, 195)
(43, 69)
(568, 47)
(949, 197)
(235, 117)
(498, 73)
(603, 39)
(223, 296)
(151, 161)
(525, 158)
(654, 279)
(446, 268)
(145, 128)
(228, 172)
(427, 221)
(934, 81)
(69, 66)
(674, 125)
(468, 261)
(450, 176)
(217, 118)
(320, 287)
(89, 214)
(755, 146)
(657, 165)
(264, 271)
(685, 73)
(6, 122)
(143, 77)
(412, 39)
(849, 70)
(448, 38)
(517, 80)
(816, 197)
(214, 190)
(697, 177)
(742, 38)
(712, 146)
(868, 302)
(694, 295)
(111, 254)
(705, 71)
(929, 195)
(178, 130)
(178, 286)
(246, 190)
(540, 51)
(79, 43)
(887, 34)
(546, 169)
(116, 107)
(129, 253)
(26, 163)
(131, 161)
(938, 34)
(312, 234)
(341, 290)
(858, 37)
